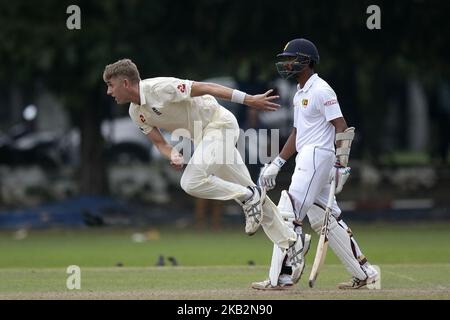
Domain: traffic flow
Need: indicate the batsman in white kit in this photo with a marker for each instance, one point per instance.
(320, 168)
(215, 170)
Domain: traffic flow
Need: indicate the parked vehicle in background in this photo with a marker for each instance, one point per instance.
(23, 145)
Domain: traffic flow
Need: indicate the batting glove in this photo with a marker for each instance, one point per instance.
(269, 173)
(340, 174)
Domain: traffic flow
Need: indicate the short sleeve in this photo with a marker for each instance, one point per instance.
(328, 104)
(295, 117)
(139, 120)
(172, 90)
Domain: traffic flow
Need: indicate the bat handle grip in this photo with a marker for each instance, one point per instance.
(331, 194)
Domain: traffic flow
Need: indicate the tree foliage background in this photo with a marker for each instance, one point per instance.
(205, 38)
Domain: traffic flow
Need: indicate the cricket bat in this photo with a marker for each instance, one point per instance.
(322, 246)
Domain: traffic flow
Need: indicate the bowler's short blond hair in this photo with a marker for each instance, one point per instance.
(123, 68)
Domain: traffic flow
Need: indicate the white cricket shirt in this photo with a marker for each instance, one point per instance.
(314, 106)
(166, 103)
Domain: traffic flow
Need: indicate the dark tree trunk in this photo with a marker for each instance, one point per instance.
(93, 177)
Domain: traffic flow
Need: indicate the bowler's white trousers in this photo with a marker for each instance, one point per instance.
(216, 171)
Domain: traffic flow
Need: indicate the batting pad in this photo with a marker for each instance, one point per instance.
(275, 227)
(278, 255)
(338, 240)
(286, 211)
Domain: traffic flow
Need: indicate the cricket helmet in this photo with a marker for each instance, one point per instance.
(303, 50)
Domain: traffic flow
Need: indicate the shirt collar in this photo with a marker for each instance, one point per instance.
(141, 93)
(308, 83)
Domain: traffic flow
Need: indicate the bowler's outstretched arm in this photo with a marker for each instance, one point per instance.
(259, 101)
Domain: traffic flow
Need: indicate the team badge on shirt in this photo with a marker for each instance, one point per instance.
(304, 102)
(141, 116)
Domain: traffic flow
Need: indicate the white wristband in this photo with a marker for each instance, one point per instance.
(279, 162)
(238, 96)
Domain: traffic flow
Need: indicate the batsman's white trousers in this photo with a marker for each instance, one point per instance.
(310, 182)
(216, 171)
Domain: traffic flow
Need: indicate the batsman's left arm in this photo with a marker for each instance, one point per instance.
(340, 126)
(344, 137)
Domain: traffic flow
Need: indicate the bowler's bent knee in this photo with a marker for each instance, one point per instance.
(193, 187)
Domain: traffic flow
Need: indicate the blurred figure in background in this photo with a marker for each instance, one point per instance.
(205, 208)
(250, 119)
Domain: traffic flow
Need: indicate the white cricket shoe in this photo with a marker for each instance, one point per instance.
(285, 279)
(284, 282)
(253, 210)
(355, 283)
(296, 254)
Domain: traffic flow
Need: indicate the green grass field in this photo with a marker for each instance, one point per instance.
(414, 262)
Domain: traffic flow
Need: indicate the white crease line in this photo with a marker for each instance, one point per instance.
(401, 276)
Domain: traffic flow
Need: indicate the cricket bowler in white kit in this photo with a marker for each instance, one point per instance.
(216, 170)
(318, 126)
